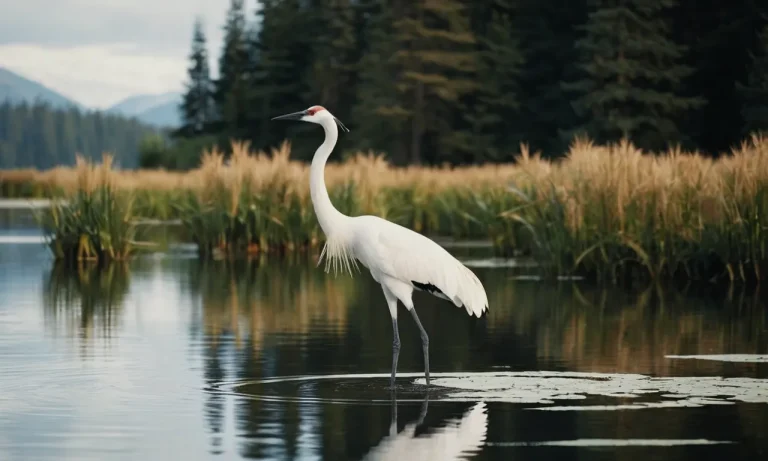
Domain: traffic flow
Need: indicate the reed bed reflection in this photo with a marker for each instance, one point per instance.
(254, 300)
(86, 301)
(602, 329)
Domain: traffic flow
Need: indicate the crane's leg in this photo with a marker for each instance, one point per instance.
(395, 352)
(392, 304)
(424, 343)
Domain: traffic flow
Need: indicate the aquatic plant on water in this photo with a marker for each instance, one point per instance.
(93, 223)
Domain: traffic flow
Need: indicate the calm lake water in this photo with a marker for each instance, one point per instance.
(171, 358)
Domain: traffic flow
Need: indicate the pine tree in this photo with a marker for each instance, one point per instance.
(377, 117)
(436, 70)
(39, 136)
(548, 31)
(17, 123)
(48, 144)
(198, 106)
(280, 56)
(67, 135)
(631, 75)
(232, 85)
(331, 76)
(719, 41)
(754, 93)
(495, 107)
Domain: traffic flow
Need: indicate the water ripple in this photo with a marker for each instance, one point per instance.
(542, 389)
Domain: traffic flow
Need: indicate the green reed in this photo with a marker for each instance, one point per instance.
(95, 222)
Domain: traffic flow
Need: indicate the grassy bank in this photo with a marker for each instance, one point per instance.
(603, 211)
(612, 212)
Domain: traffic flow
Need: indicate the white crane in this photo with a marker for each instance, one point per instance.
(398, 258)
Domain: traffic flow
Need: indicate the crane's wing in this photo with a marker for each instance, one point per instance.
(417, 260)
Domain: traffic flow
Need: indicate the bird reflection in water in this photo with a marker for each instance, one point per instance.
(456, 438)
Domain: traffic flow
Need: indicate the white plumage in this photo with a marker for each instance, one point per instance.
(398, 258)
(458, 438)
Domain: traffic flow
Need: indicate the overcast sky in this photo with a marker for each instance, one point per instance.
(98, 52)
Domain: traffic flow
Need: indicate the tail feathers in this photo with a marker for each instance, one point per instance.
(460, 286)
(470, 294)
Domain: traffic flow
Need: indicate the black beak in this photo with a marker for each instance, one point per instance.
(293, 116)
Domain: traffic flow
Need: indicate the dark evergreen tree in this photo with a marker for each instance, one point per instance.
(631, 75)
(378, 120)
(754, 92)
(720, 41)
(197, 107)
(331, 74)
(66, 127)
(547, 31)
(280, 56)
(232, 85)
(467, 81)
(38, 136)
(494, 113)
(437, 66)
(49, 143)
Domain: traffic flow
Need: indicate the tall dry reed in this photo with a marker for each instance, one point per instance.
(95, 222)
(610, 211)
(606, 211)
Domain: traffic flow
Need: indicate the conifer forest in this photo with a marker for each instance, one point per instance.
(458, 81)
(40, 136)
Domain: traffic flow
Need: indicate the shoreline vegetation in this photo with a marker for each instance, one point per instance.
(604, 212)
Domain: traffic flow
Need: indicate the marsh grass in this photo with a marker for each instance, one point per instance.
(260, 203)
(607, 212)
(95, 222)
(612, 212)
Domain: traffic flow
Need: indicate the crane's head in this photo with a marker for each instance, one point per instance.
(315, 114)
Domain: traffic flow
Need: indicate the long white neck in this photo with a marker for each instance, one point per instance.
(331, 220)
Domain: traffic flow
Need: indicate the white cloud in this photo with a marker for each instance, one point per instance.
(96, 75)
(99, 52)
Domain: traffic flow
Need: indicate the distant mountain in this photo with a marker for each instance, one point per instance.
(160, 110)
(18, 89)
(163, 115)
(135, 105)
(154, 109)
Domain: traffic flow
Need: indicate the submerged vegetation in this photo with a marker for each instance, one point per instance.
(606, 212)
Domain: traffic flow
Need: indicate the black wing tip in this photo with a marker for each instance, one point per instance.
(428, 287)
